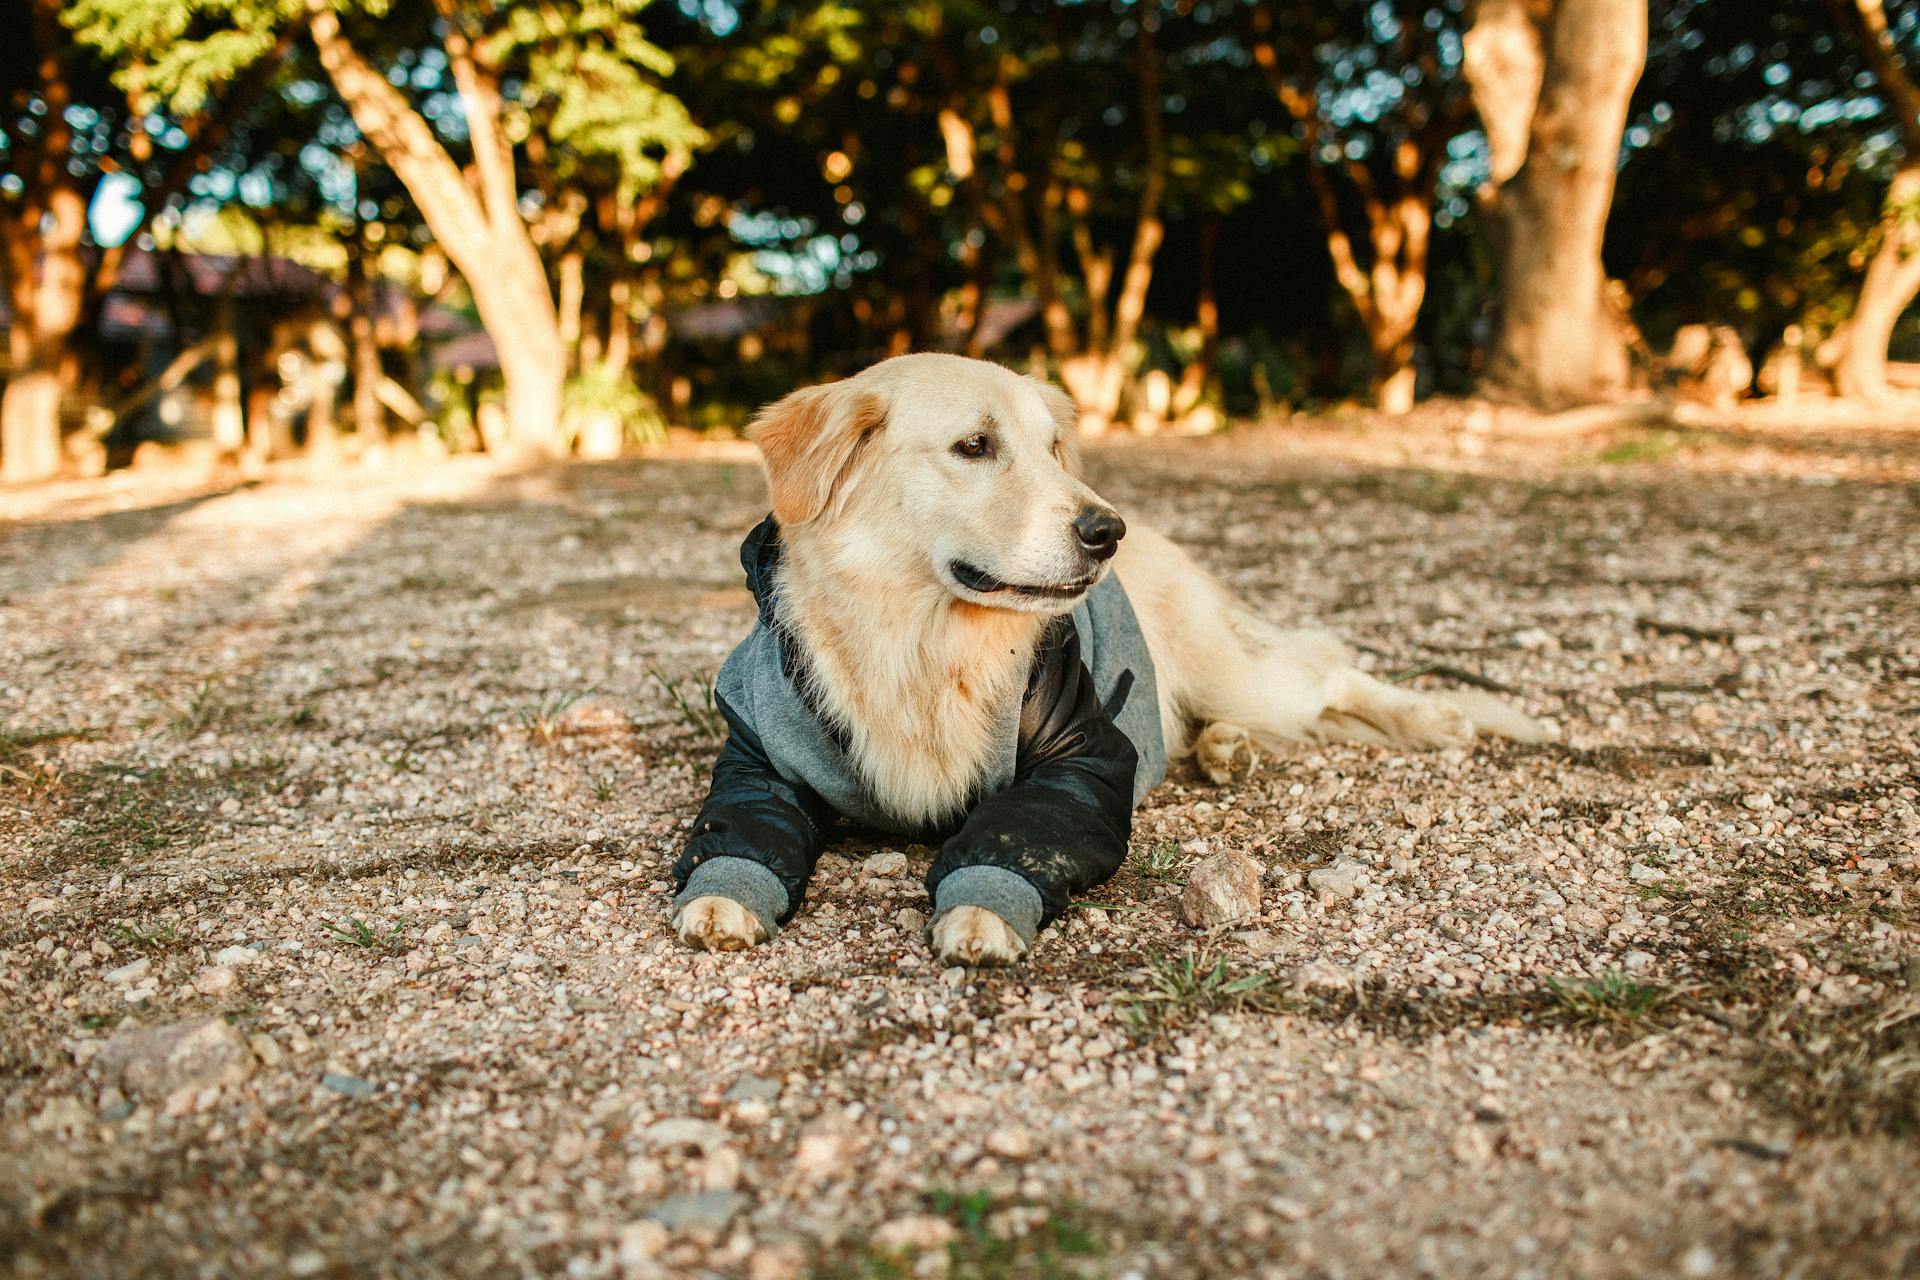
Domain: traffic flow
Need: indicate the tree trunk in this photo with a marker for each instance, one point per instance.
(1857, 351)
(229, 422)
(46, 307)
(325, 372)
(1206, 315)
(45, 277)
(1505, 57)
(1558, 341)
(1110, 342)
(482, 231)
(573, 298)
(369, 419)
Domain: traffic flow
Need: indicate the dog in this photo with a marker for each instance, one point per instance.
(960, 640)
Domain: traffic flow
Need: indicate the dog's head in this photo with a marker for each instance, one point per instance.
(969, 470)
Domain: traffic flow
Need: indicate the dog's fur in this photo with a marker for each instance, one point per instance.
(878, 513)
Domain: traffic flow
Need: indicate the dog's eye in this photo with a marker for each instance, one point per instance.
(975, 446)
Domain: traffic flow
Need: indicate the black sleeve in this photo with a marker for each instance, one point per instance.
(753, 813)
(1064, 822)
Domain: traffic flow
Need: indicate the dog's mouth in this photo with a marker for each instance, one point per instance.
(982, 583)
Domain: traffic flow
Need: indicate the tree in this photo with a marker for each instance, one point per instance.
(45, 224)
(1770, 236)
(1857, 351)
(581, 74)
(1376, 94)
(1558, 338)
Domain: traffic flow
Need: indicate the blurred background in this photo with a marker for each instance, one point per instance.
(247, 231)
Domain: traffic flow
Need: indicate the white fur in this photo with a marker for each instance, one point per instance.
(912, 663)
(975, 936)
(714, 923)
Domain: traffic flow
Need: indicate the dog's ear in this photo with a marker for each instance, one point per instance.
(810, 441)
(1066, 415)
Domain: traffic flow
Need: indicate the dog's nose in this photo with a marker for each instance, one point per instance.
(1100, 531)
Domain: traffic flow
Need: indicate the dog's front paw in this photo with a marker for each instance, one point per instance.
(714, 923)
(976, 937)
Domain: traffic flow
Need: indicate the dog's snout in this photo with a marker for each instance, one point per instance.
(1100, 531)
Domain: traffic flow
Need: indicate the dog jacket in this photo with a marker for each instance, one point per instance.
(1071, 758)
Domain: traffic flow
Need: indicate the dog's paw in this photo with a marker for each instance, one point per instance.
(714, 923)
(976, 937)
(1224, 753)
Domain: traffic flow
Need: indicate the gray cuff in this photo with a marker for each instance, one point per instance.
(746, 882)
(1005, 893)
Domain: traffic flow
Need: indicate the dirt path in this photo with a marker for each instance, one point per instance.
(334, 823)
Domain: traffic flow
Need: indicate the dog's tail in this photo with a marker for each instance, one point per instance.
(1492, 717)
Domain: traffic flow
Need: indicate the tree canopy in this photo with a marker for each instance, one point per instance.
(1180, 208)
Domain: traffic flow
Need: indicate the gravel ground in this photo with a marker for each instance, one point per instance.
(335, 818)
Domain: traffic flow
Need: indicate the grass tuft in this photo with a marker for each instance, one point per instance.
(706, 721)
(358, 933)
(22, 763)
(1195, 984)
(146, 937)
(1162, 861)
(546, 720)
(1609, 1000)
(1016, 1242)
(1855, 1070)
(207, 708)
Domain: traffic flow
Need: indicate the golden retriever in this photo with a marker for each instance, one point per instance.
(902, 543)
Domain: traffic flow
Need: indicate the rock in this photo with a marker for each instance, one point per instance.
(214, 979)
(721, 1171)
(753, 1088)
(61, 1115)
(1010, 1141)
(910, 920)
(349, 1086)
(684, 1133)
(309, 1262)
(267, 1049)
(1550, 899)
(1471, 1145)
(1635, 961)
(640, 1242)
(129, 973)
(708, 1210)
(914, 1233)
(154, 1061)
(1640, 871)
(1318, 975)
(1698, 1261)
(1222, 888)
(229, 807)
(1258, 942)
(1759, 801)
(819, 1156)
(1338, 882)
(234, 957)
(775, 1262)
(41, 906)
(890, 863)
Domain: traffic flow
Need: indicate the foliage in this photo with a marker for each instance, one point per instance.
(603, 390)
(874, 178)
(1193, 985)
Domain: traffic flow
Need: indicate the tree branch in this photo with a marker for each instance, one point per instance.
(1869, 18)
(480, 97)
(406, 142)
